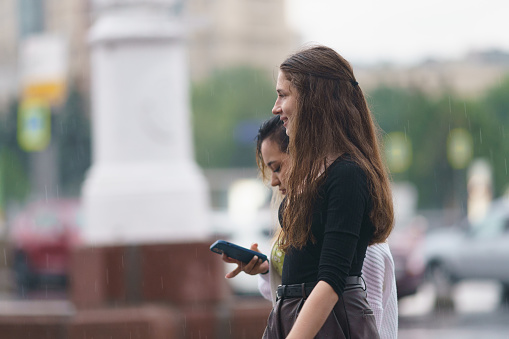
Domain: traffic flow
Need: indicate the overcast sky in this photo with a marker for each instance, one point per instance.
(402, 31)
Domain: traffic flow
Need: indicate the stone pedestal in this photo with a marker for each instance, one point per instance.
(25, 327)
(174, 274)
(115, 289)
(127, 323)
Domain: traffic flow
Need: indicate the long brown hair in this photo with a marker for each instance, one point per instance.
(332, 118)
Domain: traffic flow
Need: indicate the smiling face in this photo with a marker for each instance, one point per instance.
(275, 160)
(286, 102)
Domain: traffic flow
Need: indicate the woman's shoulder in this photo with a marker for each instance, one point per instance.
(345, 167)
(379, 252)
(381, 247)
(347, 176)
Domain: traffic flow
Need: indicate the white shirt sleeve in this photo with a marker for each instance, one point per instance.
(378, 273)
(264, 285)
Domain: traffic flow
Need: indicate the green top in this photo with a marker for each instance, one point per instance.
(277, 257)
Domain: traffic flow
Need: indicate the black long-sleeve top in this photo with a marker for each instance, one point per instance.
(341, 227)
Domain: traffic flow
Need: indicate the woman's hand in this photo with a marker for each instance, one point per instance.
(254, 267)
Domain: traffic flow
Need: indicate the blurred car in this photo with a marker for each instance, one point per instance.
(406, 244)
(478, 250)
(42, 237)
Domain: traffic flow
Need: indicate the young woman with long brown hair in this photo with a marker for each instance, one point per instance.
(338, 199)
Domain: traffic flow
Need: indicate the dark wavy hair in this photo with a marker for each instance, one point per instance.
(332, 118)
(271, 129)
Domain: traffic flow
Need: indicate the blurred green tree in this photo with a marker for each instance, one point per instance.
(71, 133)
(427, 122)
(228, 108)
(492, 133)
(71, 129)
(13, 160)
(425, 125)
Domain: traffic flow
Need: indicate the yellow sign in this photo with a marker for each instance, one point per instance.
(460, 148)
(398, 152)
(34, 125)
(53, 92)
(43, 70)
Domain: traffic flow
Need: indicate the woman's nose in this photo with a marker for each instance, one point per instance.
(274, 180)
(276, 109)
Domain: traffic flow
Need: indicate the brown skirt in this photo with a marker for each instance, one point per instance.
(351, 318)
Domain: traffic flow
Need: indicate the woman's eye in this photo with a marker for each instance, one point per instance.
(277, 170)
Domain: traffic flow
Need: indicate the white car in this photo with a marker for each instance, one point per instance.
(477, 250)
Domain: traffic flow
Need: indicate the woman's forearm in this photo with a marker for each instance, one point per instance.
(315, 311)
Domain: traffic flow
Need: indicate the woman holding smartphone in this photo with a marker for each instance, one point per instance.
(378, 269)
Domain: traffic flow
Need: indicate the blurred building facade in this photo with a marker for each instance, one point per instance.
(229, 33)
(467, 77)
(221, 34)
(225, 33)
(8, 49)
(20, 19)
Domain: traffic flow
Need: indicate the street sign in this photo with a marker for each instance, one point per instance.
(44, 67)
(34, 125)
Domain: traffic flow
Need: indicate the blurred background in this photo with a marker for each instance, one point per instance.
(436, 75)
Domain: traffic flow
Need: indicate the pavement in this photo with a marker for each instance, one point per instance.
(477, 314)
(41, 307)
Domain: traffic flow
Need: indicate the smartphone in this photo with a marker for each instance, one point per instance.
(235, 251)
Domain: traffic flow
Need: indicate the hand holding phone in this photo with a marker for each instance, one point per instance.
(235, 251)
(243, 257)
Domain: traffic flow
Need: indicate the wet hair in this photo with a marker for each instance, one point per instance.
(274, 130)
(332, 118)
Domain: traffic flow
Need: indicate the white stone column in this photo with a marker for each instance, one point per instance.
(144, 185)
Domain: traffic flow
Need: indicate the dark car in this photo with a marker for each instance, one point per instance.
(469, 250)
(406, 243)
(42, 237)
